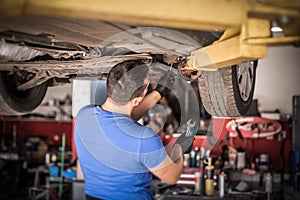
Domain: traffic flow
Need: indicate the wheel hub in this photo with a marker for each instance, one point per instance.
(245, 78)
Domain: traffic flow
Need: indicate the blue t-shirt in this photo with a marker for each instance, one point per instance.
(115, 154)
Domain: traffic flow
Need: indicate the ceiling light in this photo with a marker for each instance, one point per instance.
(276, 29)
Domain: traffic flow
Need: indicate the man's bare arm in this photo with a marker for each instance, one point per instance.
(170, 169)
(148, 101)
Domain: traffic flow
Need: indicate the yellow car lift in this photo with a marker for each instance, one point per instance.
(246, 23)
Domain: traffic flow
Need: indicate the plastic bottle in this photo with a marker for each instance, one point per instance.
(193, 158)
(201, 178)
(209, 182)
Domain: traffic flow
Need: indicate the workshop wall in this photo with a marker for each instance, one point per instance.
(51, 131)
(278, 79)
(57, 104)
(58, 92)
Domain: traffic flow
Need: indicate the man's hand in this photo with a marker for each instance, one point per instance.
(165, 83)
(186, 143)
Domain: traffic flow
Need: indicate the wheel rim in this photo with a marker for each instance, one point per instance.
(12, 81)
(245, 78)
(16, 102)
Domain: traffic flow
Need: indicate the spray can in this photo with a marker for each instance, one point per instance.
(209, 182)
(186, 160)
(222, 184)
(268, 183)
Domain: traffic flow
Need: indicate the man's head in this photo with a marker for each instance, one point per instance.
(126, 81)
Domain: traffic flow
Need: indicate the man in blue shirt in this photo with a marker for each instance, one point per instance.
(118, 156)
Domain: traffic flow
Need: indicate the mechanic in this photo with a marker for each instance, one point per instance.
(118, 156)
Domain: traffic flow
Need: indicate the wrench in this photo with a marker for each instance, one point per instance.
(170, 69)
(190, 125)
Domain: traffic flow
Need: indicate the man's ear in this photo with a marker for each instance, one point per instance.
(136, 101)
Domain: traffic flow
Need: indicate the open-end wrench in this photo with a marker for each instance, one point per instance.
(190, 125)
(186, 140)
(170, 69)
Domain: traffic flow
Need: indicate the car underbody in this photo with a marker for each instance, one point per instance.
(53, 43)
(37, 52)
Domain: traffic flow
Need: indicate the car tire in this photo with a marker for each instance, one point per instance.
(18, 102)
(228, 92)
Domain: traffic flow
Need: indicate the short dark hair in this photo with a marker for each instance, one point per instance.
(126, 81)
